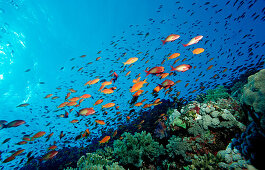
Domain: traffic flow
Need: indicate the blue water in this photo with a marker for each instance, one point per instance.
(44, 36)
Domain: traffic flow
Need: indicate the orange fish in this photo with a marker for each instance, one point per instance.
(74, 99)
(164, 75)
(115, 133)
(157, 89)
(90, 82)
(171, 37)
(108, 105)
(39, 134)
(49, 95)
(80, 69)
(55, 97)
(194, 91)
(98, 58)
(178, 81)
(156, 101)
(98, 102)
(225, 70)
(137, 86)
(9, 159)
(186, 84)
(86, 111)
(71, 103)
(184, 59)
(18, 152)
(23, 105)
(181, 68)
(105, 139)
(22, 143)
(176, 61)
(167, 83)
(147, 105)
(101, 122)
(131, 60)
(138, 93)
(80, 101)
(27, 138)
(128, 73)
(138, 104)
(68, 95)
(175, 55)
(193, 40)
(211, 66)
(198, 51)
(85, 96)
(136, 80)
(52, 147)
(72, 90)
(49, 155)
(155, 70)
(107, 91)
(49, 136)
(74, 121)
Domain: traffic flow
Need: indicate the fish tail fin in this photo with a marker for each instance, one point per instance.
(172, 68)
(163, 42)
(147, 73)
(185, 45)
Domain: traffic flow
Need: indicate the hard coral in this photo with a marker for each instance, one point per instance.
(254, 92)
(134, 149)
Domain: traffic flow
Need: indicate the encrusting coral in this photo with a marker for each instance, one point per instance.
(254, 91)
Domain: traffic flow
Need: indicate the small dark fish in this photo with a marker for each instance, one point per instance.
(23, 105)
(27, 70)
(3, 121)
(6, 140)
(28, 155)
(15, 123)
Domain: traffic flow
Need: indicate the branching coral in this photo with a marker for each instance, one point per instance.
(178, 147)
(134, 149)
(218, 93)
(94, 161)
(206, 162)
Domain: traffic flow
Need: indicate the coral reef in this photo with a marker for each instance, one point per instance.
(94, 161)
(178, 147)
(254, 91)
(232, 159)
(215, 94)
(106, 152)
(250, 143)
(137, 148)
(206, 162)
